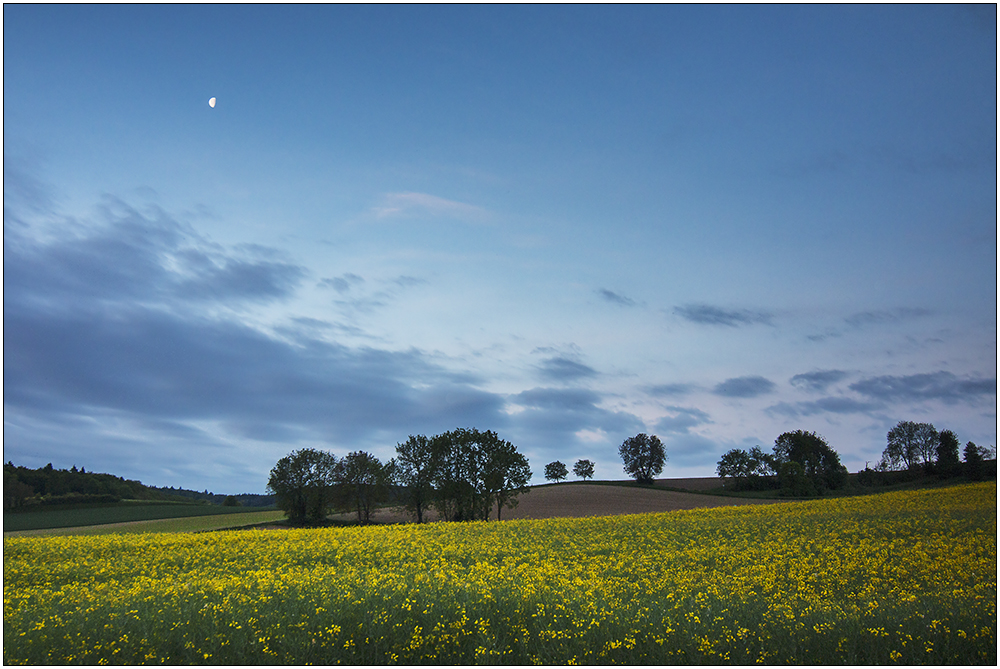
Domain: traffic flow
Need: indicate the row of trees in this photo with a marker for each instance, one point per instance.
(919, 447)
(800, 464)
(556, 471)
(463, 474)
(643, 457)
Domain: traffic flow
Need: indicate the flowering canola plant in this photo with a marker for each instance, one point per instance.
(904, 577)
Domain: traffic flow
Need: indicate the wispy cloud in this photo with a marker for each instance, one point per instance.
(681, 419)
(616, 298)
(564, 369)
(744, 386)
(561, 413)
(880, 317)
(836, 405)
(818, 381)
(410, 204)
(706, 314)
(670, 389)
(342, 283)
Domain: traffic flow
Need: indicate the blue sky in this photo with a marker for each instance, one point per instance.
(567, 224)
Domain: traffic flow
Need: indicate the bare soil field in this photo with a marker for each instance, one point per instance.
(576, 500)
(570, 500)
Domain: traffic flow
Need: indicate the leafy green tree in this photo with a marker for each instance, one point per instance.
(415, 470)
(643, 457)
(584, 469)
(909, 444)
(474, 470)
(230, 500)
(302, 483)
(794, 480)
(363, 482)
(820, 463)
(556, 471)
(734, 468)
(448, 477)
(507, 473)
(746, 470)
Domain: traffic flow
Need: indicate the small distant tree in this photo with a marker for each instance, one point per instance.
(556, 471)
(302, 483)
(584, 469)
(230, 500)
(643, 456)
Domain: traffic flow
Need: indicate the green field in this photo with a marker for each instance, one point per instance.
(894, 578)
(123, 512)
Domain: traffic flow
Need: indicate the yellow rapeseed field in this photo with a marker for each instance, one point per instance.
(907, 577)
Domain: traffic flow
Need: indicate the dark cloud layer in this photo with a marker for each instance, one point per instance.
(141, 258)
(943, 386)
(125, 336)
(744, 386)
(878, 394)
(706, 314)
(120, 318)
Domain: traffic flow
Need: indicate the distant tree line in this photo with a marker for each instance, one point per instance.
(24, 487)
(800, 464)
(463, 474)
(46, 486)
(803, 464)
(919, 449)
(206, 497)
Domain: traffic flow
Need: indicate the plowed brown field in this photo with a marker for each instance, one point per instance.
(577, 500)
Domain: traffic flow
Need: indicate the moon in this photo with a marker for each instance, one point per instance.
(211, 103)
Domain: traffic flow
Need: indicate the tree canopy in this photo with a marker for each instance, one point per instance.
(820, 464)
(643, 456)
(584, 469)
(471, 471)
(362, 482)
(302, 483)
(415, 471)
(909, 444)
(556, 471)
(746, 470)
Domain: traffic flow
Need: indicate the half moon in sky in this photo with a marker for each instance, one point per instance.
(211, 102)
